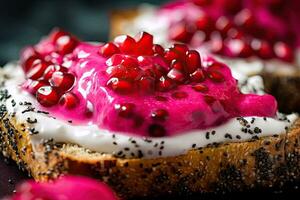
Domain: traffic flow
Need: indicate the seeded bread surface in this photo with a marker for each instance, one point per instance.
(263, 162)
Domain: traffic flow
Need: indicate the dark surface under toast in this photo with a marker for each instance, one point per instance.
(10, 175)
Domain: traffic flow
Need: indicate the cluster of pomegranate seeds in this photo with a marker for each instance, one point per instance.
(48, 81)
(137, 65)
(237, 35)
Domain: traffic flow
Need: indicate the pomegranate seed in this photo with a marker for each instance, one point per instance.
(245, 19)
(161, 98)
(283, 51)
(125, 110)
(202, 2)
(165, 84)
(56, 34)
(116, 71)
(156, 130)
(262, 48)
(181, 32)
(69, 100)
(177, 65)
(51, 69)
(197, 76)
(239, 48)
(65, 44)
(235, 34)
(176, 75)
(158, 49)
(204, 23)
(216, 43)
(32, 86)
(200, 88)
(37, 70)
(160, 115)
(215, 76)
(129, 62)
(126, 44)
(114, 60)
(30, 62)
(209, 99)
(158, 71)
(120, 86)
(170, 55)
(180, 49)
(144, 44)
(146, 84)
(109, 49)
(47, 96)
(179, 95)
(63, 81)
(223, 24)
(193, 61)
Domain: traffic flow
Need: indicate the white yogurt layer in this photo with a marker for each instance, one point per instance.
(100, 140)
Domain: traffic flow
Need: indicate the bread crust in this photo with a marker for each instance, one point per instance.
(285, 87)
(264, 162)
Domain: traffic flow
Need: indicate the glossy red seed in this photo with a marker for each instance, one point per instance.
(170, 55)
(126, 44)
(205, 24)
(239, 48)
(109, 49)
(30, 62)
(120, 86)
(129, 62)
(62, 81)
(181, 32)
(115, 60)
(161, 98)
(160, 115)
(235, 34)
(144, 44)
(125, 110)
(56, 34)
(156, 130)
(165, 84)
(69, 100)
(47, 96)
(158, 71)
(176, 64)
(179, 95)
(37, 70)
(146, 84)
(216, 76)
(158, 49)
(223, 24)
(180, 49)
(200, 87)
(216, 43)
(262, 49)
(284, 52)
(193, 61)
(176, 75)
(209, 99)
(32, 86)
(65, 44)
(245, 19)
(197, 76)
(116, 71)
(51, 69)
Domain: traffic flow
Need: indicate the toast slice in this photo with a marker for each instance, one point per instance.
(263, 162)
(285, 87)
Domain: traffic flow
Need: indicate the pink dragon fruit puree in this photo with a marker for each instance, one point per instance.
(118, 85)
(67, 188)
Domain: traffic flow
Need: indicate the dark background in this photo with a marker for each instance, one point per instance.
(24, 22)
